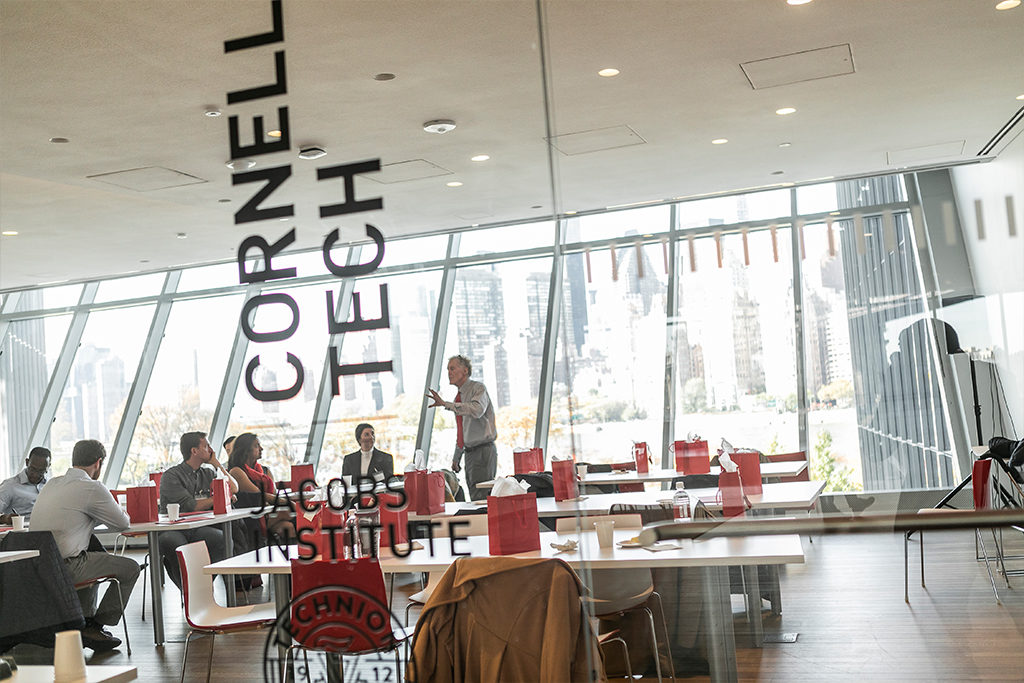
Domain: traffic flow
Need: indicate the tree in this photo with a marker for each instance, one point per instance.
(827, 468)
(154, 445)
(774, 447)
(839, 392)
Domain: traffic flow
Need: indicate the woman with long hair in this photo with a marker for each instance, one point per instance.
(255, 481)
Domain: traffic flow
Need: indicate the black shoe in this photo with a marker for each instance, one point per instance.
(98, 639)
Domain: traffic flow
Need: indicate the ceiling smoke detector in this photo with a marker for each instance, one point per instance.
(312, 152)
(439, 126)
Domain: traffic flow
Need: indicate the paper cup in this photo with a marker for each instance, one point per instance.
(581, 471)
(68, 657)
(173, 511)
(605, 533)
(18, 522)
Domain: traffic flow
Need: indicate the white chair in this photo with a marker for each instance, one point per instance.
(616, 591)
(477, 527)
(202, 612)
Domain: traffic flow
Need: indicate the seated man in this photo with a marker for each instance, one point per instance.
(367, 461)
(70, 507)
(18, 494)
(188, 484)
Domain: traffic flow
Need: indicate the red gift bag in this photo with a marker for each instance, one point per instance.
(730, 492)
(692, 457)
(221, 496)
(392, 519)
(425, 491)
(563, 475)
(642, 457)
(749, 463)
(301, 473)
(325, 517)
(512, 524)
(982, 484)
(155, 478)
(529, 460)
(142, 506)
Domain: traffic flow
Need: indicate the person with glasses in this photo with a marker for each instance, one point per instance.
(18, 494)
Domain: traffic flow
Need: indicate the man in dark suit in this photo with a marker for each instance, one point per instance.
(367, 461)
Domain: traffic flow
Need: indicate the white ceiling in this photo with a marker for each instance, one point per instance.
(127, 81)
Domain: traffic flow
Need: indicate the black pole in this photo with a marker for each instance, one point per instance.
(977, 404)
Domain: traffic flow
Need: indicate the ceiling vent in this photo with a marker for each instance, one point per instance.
(596, 140)
(912, 156)
(798, 67)
(147, 179)
(404, 171)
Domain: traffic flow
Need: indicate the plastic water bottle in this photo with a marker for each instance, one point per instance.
(681, 502)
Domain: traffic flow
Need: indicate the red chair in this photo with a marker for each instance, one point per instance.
(792, 457)
(629, 467)
(363, 626)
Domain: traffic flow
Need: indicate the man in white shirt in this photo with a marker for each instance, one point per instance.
(18, 494)
(71, 506)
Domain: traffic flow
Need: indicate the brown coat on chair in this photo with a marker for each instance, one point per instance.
(505, 619)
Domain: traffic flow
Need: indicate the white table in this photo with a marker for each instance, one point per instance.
(153, 530)
(93, 674)
(795, 495)
(713, 556)
(14, 555)
(769, 470)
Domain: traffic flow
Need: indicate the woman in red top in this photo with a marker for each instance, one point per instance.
(253, 480)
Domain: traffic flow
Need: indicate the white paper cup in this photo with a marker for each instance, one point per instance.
(68, 657)
(581, 471)
(173, 511)
(18, 522)
(605, 533)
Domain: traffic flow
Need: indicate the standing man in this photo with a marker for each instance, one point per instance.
(70, 507)
(188, 484)
(474, 425)
(18, 494)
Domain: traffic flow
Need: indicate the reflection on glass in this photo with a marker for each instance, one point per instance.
(643, 221)
(27, 356)
(49, 297)
(735, 209)
(610, 359)
(102, 373)
(508, 238)
(390, 401)
(735, 356)
(130, 287)
(185, 385)
(416, 250)
(497, 321)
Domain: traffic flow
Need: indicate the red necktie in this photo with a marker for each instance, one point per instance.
(459, 443)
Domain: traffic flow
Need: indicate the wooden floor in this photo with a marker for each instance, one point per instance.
(846, 603)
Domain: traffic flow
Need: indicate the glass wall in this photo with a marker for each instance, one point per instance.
(863, 400)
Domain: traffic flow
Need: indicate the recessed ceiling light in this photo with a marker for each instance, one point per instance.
(182, 236)
(273, 133)
(312, 152)
(439, 126)
(59, 140)
(797, 2)
(785, 144)
(454, 183)
(1007, 4)
(719, 141)
(384, 76)
(240, 164)
(785, 111)
(212, 112)
(570, 213)
(608, 73)
(480, 157)
(833, 213)
(9, 233)
(1020, 97)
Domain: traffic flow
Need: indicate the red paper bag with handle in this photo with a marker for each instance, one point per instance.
(392, 520)
(301, 473)
(142, 506)
(425, 491)
(563, 475)
(730, 492)
(529, 460)
(512, 524)
(642, 457)
(322, 523)
(221, 496)
(749, 463)
(692, 457)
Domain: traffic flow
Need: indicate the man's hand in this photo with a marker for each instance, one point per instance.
(455, 467)
(438, 402)
(204, 504)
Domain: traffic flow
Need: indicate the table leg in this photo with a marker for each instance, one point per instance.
(229, 579)
(282, 598)
(155, 565)
(752, 582)
(721, 641)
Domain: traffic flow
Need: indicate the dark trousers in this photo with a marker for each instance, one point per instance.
(171, 540)
(481, 463)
